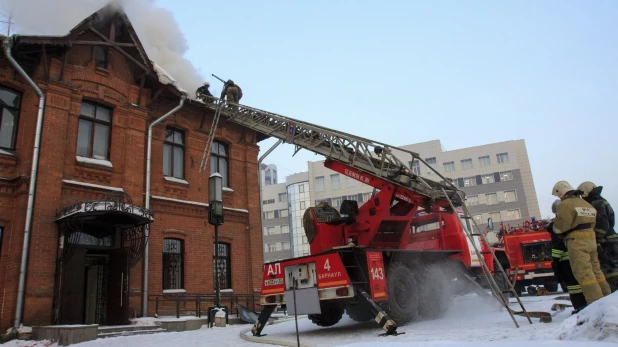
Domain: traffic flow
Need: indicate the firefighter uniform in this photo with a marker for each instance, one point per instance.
(564, 273)
(202, 93)
(574, 223)
(607, 239)
(232, 92)
(562, 266)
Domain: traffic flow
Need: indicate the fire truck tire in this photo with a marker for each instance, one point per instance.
(403, 300)
(332, 311)
(551, 286)
(359, 312)
(435, 292)
(532, 290)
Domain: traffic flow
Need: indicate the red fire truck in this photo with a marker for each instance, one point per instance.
(397, 258)
(525, 253)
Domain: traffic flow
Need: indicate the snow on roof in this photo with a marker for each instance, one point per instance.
(166, 78)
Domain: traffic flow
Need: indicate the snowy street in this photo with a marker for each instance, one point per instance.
(471, 321)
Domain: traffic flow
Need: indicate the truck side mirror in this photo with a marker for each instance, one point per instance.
(490, 224)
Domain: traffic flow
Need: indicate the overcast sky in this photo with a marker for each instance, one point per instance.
(465, 72)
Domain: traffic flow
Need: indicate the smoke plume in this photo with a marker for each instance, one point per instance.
(156, 27)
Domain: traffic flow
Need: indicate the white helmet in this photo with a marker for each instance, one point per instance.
(206, 84)
(555, 205)
(561, 188)
(586, 187)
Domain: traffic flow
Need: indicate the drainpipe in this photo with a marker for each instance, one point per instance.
(147, 202)
(260, 187)
(31, 190)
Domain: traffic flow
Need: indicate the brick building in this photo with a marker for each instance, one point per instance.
(87, 234)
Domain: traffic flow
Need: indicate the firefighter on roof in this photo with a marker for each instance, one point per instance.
(574, 223)
(232, 92)
(202, 93)
(607, 239)
(562, 266)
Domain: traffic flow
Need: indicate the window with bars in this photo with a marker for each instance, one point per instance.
(174, 153)
(223, 266)
(219, 161)
(173, 264)
(10, 102)
(94, 131)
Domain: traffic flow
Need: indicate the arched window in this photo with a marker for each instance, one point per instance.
(219, 161)
(224, 266)
(173, 264)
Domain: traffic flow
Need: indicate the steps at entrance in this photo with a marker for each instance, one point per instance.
(128, 330)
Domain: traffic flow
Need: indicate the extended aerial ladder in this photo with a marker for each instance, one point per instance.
(371, 157)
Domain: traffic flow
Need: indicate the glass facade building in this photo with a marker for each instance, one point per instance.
(298, 202)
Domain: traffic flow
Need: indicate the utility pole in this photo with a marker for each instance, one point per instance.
(8, 20)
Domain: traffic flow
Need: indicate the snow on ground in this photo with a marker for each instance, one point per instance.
(472, 321)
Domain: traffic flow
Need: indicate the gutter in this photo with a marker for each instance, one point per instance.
(147, 201)
(8, 42)
(260, 188)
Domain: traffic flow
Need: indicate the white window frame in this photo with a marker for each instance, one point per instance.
(466, 164)
(335, 182)
(483, 162)
(514, 193)
(320, 184)
(449, 166)
(490, 178)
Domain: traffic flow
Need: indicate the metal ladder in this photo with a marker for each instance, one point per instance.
(495, 288)
(372, 157)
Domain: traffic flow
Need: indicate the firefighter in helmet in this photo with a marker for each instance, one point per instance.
(607, 239)
(232, 92)
(202, 93)
(574, 223)
(562, 266)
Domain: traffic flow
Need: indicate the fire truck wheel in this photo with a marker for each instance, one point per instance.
(360, 312)
(332, 311)
(551, 286)
(532, 290)
(402, 304)
(436, 291)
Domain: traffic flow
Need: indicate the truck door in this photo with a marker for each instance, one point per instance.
(426, 234)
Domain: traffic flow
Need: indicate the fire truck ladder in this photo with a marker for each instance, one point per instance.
(495, 288)
(372, 157)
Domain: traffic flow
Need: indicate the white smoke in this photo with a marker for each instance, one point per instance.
(156, 27)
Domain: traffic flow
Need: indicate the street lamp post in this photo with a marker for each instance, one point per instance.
(215, 217)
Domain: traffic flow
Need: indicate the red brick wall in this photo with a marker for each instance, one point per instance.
(117, 89)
